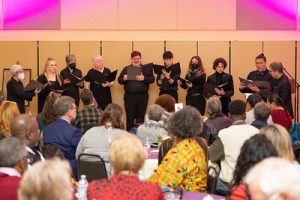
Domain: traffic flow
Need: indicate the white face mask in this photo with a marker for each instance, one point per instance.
(21, 76)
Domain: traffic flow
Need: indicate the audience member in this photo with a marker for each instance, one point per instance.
(280, 139)
(50, 151)
(97, 140)
(152, 129)
(185, 165)
(13, 162)
(278, 112)
(9, 111)
(216, 120)
(226, 147)
(255, 149)
(47, 180)
(127, 157)
(90, 115)
(274, 178)
(25, 127)
(251, 101)
(261, 115)
(61, 133)
(167, 102)
(47, 116)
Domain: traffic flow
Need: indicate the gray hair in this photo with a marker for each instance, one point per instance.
(274, 176)
(14, 69)
(213, 105)
(262, 111)
(185, 123)
(12, 150)
(62, 105)
(155, 112)
(95, 57)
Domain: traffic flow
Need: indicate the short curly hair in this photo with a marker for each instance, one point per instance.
(219, 60)
(185, 123)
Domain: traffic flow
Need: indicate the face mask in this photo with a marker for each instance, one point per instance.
(194, 67)
(21, 76)
(72, 65)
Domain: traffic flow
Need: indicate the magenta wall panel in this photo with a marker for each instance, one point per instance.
(31, 14)
(266, 14)
(1, 18)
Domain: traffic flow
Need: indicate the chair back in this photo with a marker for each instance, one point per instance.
(91, 165)
(212, 176)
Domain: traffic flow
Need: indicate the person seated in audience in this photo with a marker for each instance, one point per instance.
(90, 115)
(260, 74)
(2, 99)
(279, 113)
(9, 111)
(216, 120)
(47, 116)
(255, 149)
(97, 140)
(261, 115)
(251, 101)
(228, 143)
(61, 133)
(167, 102)
(47, 180)
(280, 139)
(185, 165)
(13, 163)
(15, 88)
(152, 129)
(127, 157)
(50, 151)
(274, 178)
(25, 127)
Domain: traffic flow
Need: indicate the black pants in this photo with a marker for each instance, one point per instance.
(135, 107)
(173, 93)
(196, 100)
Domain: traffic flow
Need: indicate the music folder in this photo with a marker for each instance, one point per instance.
(210, 88)
(132, 72)
(33, 85)
(74, 79)
(111, 76)
(259, 84)
(183, 80)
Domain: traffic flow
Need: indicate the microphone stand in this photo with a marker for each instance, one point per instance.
(297, 85)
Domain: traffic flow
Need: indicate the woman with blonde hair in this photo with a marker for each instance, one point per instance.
(127, 157)
(47, 180)
(52, 82)
(280, 139)
(8, 112)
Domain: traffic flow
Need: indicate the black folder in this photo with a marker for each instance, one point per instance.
(33, 85)
(158, 68)
(183, 80)
(210, 88)
(112, 76)
(259, 84)
(132, 72)
(74, 79)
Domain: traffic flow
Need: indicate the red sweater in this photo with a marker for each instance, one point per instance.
(9, 187)
(282, 117)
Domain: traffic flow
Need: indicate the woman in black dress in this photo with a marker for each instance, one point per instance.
(196, 78)
(223, 82)
(52, 82)
(95, 80)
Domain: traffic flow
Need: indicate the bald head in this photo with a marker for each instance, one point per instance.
(25, 127)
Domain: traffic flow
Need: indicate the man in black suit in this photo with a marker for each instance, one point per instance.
(260, 74)
(282, 85)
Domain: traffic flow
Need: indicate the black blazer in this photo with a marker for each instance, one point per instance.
(282, 87)
(16, 93)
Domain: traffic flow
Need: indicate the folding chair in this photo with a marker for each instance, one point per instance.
(91, 165)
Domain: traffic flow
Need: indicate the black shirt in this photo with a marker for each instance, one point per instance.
(134, 86)
(16, 93)
(197, 81)
(165, 83)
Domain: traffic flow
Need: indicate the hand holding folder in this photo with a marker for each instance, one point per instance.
(133, 72)
(33, 85)
(259, 84)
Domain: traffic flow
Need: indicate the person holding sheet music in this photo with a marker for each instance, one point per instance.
(223, 82)
(15, 88)
(167, 78)
(52, 82)
(96, 81)
(260, 74)
(136, 79)
(72, 77)
(196, 77)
